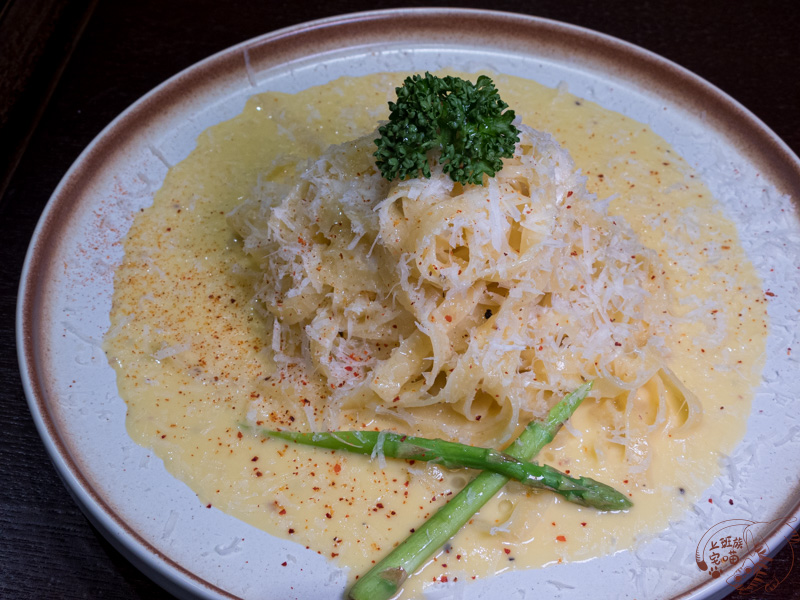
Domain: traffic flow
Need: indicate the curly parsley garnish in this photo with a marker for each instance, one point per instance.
(463, 119)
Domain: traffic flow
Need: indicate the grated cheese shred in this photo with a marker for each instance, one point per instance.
(481, 304)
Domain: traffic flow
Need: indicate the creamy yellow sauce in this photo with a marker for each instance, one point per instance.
(189, 346)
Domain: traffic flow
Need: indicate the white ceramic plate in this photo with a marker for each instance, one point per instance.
(67, 284)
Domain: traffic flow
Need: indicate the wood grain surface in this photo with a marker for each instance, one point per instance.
(86, 75)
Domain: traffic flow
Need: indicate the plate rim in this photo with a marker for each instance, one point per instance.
(271, 49)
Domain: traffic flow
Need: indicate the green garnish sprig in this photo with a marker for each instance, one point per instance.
(463, 119)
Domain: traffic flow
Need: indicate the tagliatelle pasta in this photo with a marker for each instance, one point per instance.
(489, 302)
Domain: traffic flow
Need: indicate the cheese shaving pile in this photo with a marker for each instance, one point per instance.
(479, 305)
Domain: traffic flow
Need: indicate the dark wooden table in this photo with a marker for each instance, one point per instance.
(67, 68)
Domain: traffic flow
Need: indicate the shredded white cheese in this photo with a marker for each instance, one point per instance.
(489, 302)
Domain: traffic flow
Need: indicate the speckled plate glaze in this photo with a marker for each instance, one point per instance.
(199, 553)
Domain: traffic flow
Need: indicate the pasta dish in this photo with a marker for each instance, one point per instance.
(279, 281)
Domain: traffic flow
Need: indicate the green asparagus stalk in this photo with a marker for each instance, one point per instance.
(384, 579)
(581, 490)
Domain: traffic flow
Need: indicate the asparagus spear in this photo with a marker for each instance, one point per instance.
(384, 579)
(582, 490)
